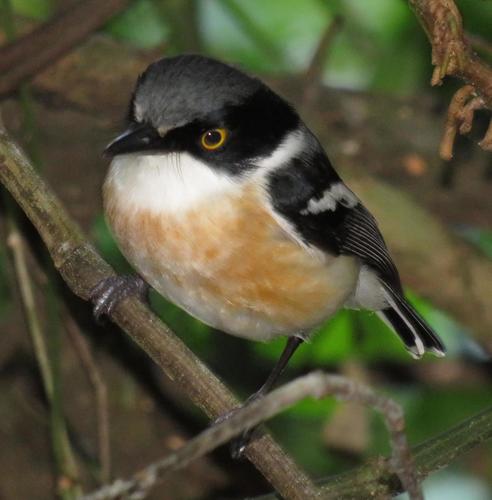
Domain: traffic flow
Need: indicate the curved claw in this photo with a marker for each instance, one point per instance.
(238, 445)
(110, 291)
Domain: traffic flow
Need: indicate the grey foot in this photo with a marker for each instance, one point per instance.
(110, 291)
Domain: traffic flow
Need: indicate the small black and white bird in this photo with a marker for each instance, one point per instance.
(224, 201)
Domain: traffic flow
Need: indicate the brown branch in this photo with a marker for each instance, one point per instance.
(452, 55)
(82, 268)
(486, 142)
(32, 53)
(460, 117)
(317, 385)
(375, 480)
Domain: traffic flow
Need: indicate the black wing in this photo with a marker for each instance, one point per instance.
(343, 226)
(326, 214)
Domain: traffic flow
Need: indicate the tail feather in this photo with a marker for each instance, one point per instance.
(415, 333)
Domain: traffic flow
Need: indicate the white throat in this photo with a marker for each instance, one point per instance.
(172, 182)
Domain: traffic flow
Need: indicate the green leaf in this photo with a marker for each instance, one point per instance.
(430, 411)
(194, 333)
(263, 36)
(331, 343)
(302, 436)
(334, 342)
(477, 16)
(376, 341)
(310, 407)
(105, 243)
(478, 237)
(35, 9)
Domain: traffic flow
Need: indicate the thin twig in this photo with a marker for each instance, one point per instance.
(375, 479)
(82, 268)
(101, 395)
(314, 73)
(16, 244)
(316, 384)
(67, 467)
(32, 53)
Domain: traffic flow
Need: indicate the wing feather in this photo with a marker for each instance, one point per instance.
(326, 215)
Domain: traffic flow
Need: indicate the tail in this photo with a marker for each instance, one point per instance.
(415, 333)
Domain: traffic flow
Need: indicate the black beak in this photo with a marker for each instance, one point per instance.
(142, 137)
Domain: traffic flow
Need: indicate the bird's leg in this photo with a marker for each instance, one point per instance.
(239, 444)
(290, 348)
(110, 291)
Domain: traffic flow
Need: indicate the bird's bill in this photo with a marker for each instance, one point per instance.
(136, 138)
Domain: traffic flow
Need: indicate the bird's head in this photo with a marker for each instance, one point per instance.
(222, 117)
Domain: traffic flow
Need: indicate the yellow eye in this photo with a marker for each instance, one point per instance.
(213, 139)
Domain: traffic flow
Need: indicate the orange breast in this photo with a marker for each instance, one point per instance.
(229, 263)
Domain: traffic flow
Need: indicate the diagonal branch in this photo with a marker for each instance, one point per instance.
(436, 453)
(82, 268)
(317, 385)
(25, 57)
(375, 479)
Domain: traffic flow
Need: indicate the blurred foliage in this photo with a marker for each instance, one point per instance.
(480, 238)
(140, 25)
(280, 36)
(35, 9)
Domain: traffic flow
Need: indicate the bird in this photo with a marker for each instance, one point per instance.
(225, 202)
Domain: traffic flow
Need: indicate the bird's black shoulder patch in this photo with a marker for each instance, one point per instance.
(292, 186)
(310, 195)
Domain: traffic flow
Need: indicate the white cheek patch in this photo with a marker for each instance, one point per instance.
(289, 148)
(338, 193)
(171, 183)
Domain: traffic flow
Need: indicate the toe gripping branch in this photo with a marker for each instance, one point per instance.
(239, 444)
(109, 292)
